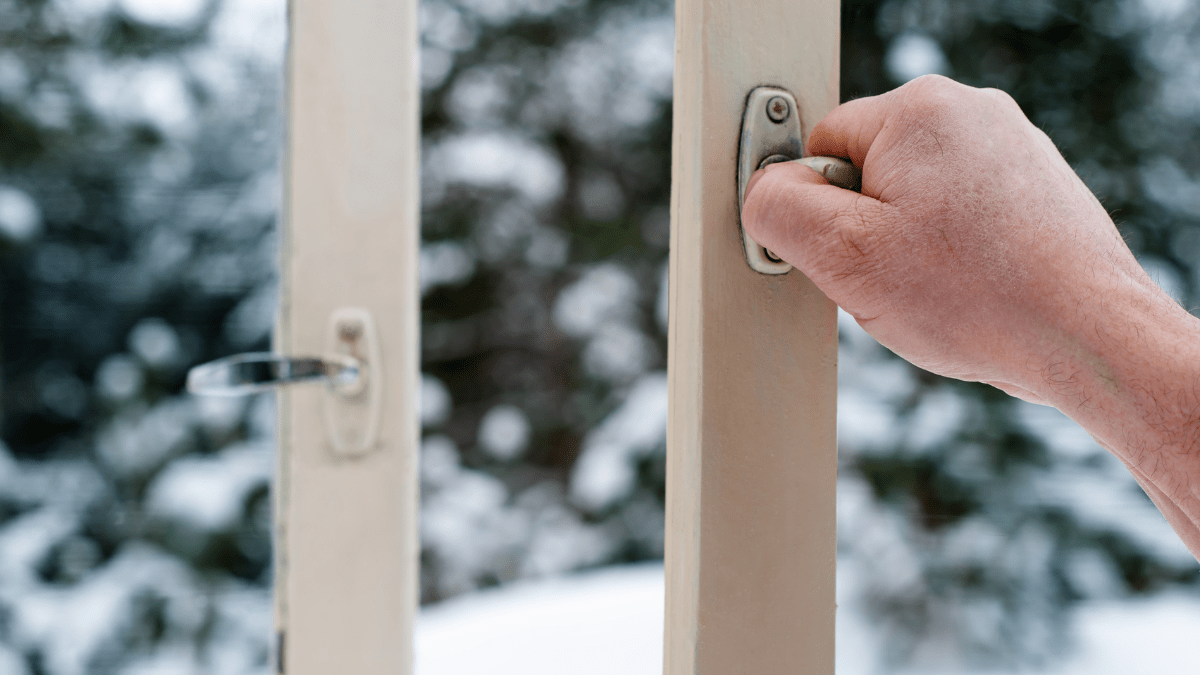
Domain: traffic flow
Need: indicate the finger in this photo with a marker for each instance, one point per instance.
(850, 129)
(795, 213)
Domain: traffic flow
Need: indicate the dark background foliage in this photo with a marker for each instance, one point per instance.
(138, 203)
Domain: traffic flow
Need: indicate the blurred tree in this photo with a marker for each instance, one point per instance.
(138, 196)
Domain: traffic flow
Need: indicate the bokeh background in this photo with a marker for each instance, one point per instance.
(139, 197)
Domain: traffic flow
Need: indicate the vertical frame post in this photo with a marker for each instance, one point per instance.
(346, 543)
(752, 460)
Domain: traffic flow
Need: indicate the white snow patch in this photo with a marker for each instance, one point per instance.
(599, 623)
(210, 492)
(504, 432)
(439, 460)
(172, 13)
(1061, 433)
(119, 377)
(936, 418)
(24, 542)
(435, 401)
(155, 342)
(606, 292)
(614, 79)
(466, 525)
(618, 352)
(20, 217)
(444, 263)
(605, 470)
(1166, 182)
(1165, 10)
(1110, 499)
(865, 422)
(147, 91)
(611, 621)
(912, 55)
(138, 439)
(1154, 635)
(496, 160)
(255, 29)
(254, 316)
(71, 623)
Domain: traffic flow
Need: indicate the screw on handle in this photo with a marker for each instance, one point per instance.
(243, 374)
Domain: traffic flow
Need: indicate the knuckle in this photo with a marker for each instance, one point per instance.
(999, 96)
(929, 97)
(931, 88)
(931, 81)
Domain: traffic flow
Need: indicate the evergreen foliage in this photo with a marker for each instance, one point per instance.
(138, 202)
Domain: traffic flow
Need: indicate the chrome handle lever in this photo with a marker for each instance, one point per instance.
(243, 374)
(351, 366)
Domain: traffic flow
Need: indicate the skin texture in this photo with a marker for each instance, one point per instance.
(975, 252)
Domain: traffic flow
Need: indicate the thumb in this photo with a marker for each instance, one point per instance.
(795, 213)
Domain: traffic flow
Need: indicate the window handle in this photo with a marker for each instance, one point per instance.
(350, 365)
(243, 374)
(771, 133)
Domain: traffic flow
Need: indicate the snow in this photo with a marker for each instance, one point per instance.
(171, 13)
(210, 492)
(604, 293)
(606, 471)
(434, 401)
(155, 342)
(151, 91)
(600, 623)
(495, 160)
(504, 432)
(445, 263)
(611, 621)
(256, 29)
(20, 217)
(119, 377)
(912, 55)
(1159, 635)
(74, 623)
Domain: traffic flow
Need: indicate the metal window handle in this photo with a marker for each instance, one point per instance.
(352, 366)
(251, 373)
(771, 133)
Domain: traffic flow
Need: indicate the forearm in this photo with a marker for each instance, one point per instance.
(1134, 385)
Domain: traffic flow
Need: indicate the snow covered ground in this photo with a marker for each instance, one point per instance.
(610, 621)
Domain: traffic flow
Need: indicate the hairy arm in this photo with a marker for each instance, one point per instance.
(1138, 394)
(975, 252)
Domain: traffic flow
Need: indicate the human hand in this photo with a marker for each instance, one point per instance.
(974, 251)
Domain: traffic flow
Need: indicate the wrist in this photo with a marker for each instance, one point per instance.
(1130, 375)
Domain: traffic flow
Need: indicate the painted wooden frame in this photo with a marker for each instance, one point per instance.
(346, 533)
(751, 447)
